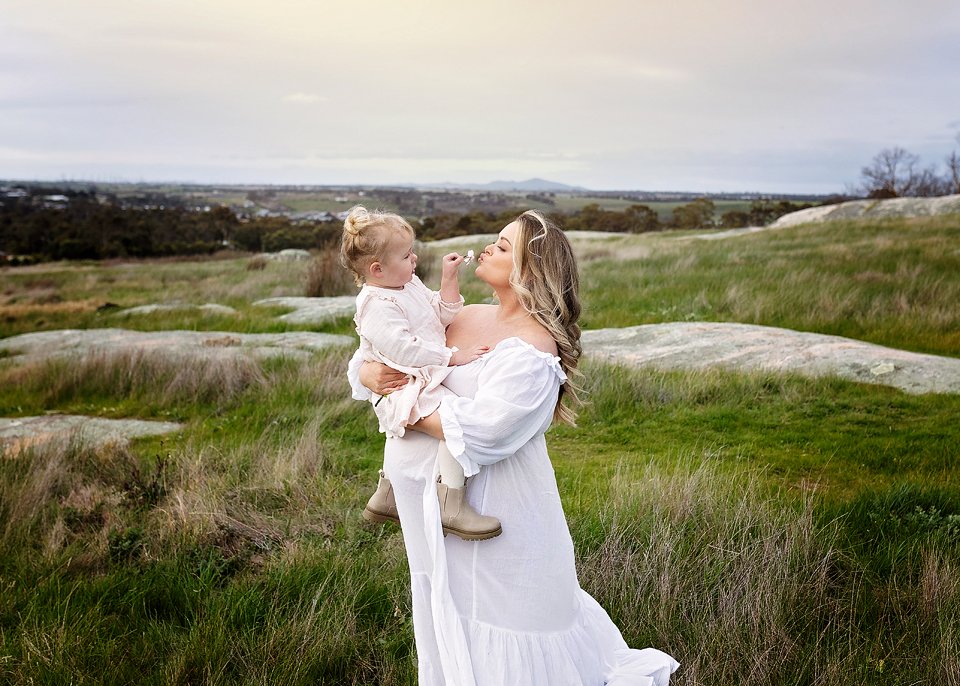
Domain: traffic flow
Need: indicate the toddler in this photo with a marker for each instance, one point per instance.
(402, 324)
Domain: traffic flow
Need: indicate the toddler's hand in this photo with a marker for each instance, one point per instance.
(451, 264)
(467, 356)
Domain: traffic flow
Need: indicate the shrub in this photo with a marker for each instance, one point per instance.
(326, 277)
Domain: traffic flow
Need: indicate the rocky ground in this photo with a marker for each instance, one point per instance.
(681, 345)
(22, 433)
(698, 345)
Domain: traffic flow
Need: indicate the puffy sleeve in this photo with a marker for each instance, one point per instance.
(447, 311)
(515, 401)
(387, 328)
(358, 390)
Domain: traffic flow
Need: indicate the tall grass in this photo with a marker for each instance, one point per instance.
(150, 380)
(892, 282)
(234, 552)
(764, 529)
(747, 590)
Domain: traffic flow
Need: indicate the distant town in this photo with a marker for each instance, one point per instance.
(43, 221)
(328, 203)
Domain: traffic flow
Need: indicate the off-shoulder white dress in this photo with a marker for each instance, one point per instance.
(508, 610)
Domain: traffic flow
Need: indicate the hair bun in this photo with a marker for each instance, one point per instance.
(356, 220)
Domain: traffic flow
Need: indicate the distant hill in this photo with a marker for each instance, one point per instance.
(528, 186)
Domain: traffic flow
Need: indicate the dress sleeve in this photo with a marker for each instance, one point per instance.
(358, 390)
(447, 311)
(387, 328)
(514, 402)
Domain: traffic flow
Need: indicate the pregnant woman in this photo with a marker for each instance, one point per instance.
(508, 610)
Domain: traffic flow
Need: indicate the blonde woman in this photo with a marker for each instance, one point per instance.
(508, 611)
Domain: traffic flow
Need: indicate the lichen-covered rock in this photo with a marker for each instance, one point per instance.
(20, 433)
(872, 209)
(697, 345)
(313, 310)
(206, 308)
(192, 344)
(288, 255)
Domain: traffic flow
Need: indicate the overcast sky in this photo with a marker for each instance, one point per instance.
(705, 95)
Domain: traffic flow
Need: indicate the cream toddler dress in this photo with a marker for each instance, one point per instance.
(405, 328)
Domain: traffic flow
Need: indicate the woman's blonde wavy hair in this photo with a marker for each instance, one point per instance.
(366, 236)
(547, 283)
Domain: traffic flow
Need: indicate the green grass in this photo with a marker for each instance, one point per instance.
(92, 295)
(234, 551)
(764, 529)
(893, 283)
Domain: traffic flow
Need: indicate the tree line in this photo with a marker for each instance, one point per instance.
(86, 226)
(41, 224)
(636, 218)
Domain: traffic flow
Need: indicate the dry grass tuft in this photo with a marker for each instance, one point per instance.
(326, 277)
(163, 376)
(257, 263)
(719, 565)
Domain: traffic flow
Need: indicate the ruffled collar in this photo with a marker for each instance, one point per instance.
(552, 361)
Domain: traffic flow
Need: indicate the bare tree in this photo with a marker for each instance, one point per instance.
(895, 172)
(953, 172)
(890, 174)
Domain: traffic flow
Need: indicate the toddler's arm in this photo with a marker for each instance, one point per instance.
(466, 356)
(450, 278)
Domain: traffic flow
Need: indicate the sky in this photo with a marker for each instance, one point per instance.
(705, 95)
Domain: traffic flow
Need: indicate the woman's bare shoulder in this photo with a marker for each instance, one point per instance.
(539, 338)
(479, 310)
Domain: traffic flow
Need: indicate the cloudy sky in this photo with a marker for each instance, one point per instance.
(699, 95)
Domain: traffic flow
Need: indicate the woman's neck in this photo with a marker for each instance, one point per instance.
(509, 309)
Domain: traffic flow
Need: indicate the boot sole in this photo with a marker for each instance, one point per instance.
(473, 536)
(379, 517)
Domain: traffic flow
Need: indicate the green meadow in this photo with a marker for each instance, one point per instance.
(762, 528)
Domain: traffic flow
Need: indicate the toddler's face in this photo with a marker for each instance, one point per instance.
(399, 263)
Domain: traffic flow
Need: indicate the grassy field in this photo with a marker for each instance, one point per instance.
(764, 529)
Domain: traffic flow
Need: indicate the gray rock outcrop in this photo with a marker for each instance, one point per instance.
(313, 310)
(20, 433)
(698, 345)
(206, 308)
(193, 344)
(872, 209)
(288, 255)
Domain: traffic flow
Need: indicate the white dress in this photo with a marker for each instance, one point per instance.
(508, 610)
(405, 328)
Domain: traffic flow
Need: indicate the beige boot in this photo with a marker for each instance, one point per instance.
(459, 519)
(382, 506)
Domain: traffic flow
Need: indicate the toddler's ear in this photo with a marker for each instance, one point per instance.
(375, 269)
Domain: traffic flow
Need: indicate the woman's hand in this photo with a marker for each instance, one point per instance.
(381, 379)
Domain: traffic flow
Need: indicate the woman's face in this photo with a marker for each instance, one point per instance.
(496, 261)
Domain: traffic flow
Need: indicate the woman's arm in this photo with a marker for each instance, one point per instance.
(381, 379)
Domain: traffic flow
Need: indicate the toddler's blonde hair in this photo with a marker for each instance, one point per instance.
(366, 236)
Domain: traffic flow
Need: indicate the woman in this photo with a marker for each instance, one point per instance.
(508, 610)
